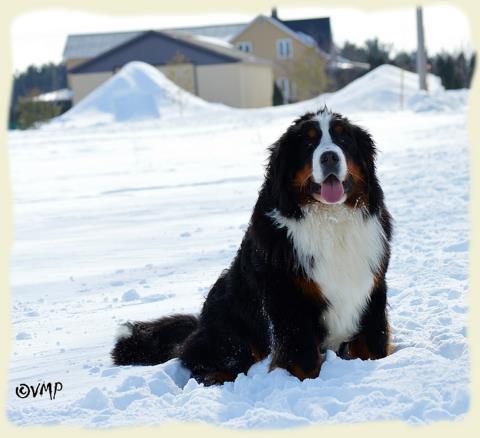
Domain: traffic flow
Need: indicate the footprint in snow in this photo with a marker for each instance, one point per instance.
(156, 297)
(130, 295)
(117, 283)
(458, 247)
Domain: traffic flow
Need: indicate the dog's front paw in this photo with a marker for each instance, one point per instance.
(303, 366)
(217, 378)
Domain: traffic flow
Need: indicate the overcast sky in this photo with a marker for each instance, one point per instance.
(39, 37)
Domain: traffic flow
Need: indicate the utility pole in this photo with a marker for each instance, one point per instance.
(421, 57)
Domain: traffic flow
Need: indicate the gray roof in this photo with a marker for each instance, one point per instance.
(209, 43)
(160, 48)
(91, 45)
(221, 31)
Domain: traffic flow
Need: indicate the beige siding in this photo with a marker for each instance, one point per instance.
(181, 74)
(236, 84)
(73, 62)
(83, 84)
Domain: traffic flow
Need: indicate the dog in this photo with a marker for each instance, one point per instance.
(309, 275)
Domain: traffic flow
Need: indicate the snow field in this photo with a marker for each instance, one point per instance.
(130, 221)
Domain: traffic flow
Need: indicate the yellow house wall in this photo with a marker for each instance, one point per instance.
(83, 83)
(180, 74)
(236, 84)
(263, 37)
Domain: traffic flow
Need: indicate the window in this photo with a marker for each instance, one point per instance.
(245, 46)
(284, 48)
(284, 85)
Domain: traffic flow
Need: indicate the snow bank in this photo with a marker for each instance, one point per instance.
(137, 92)
(382, 90)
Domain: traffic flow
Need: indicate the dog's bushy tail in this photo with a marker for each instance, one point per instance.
(152, 342)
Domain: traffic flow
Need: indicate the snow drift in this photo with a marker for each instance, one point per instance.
(390, 88)
(137, 92)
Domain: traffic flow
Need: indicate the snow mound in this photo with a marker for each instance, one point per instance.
(382, 90)
(138, 91)
(443, 100)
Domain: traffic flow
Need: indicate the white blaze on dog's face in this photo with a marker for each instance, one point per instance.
(329, 165)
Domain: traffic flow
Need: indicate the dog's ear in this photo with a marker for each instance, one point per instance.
(368, 152)
(280, 173)
(366, 145)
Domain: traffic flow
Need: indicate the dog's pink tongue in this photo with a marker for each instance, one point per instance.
(332, 190)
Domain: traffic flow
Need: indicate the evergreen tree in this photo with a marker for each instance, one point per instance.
(48, 77)
(277, 95)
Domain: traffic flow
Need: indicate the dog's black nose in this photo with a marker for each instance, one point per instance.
(329, 158)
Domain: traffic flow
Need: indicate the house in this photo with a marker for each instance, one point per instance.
(212, 70)
(227, 63)
(300, 51)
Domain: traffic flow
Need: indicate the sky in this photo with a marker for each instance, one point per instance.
(39, 37)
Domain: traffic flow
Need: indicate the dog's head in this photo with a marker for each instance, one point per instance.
(322, 157)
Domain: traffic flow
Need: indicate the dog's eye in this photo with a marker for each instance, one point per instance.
(338, 129)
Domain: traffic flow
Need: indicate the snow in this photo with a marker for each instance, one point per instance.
(63, 94)
(383, 89)
(132, 221)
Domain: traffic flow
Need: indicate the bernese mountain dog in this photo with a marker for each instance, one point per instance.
(309, 274)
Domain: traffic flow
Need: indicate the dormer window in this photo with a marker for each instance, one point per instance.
(245, 46)
(284, 48)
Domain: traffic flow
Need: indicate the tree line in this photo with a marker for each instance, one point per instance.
(30, 83)
(454, 69)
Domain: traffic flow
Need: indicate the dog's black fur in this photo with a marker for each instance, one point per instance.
(263, 304)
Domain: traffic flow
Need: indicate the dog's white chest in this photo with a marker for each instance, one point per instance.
(346, 250)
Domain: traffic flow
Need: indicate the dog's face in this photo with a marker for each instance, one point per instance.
(323, 158)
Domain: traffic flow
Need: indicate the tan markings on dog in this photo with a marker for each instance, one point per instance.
(257, 355)
(356, 172)
(302, 176)
(300, 182)
(338, 128)
(296, 370)
(376, 280)
(218, 377)
(358, 196)
(389, 344)
(312, 133)
(358, 349)
(310, 289)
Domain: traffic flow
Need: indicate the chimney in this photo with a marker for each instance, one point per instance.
(274, 13)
